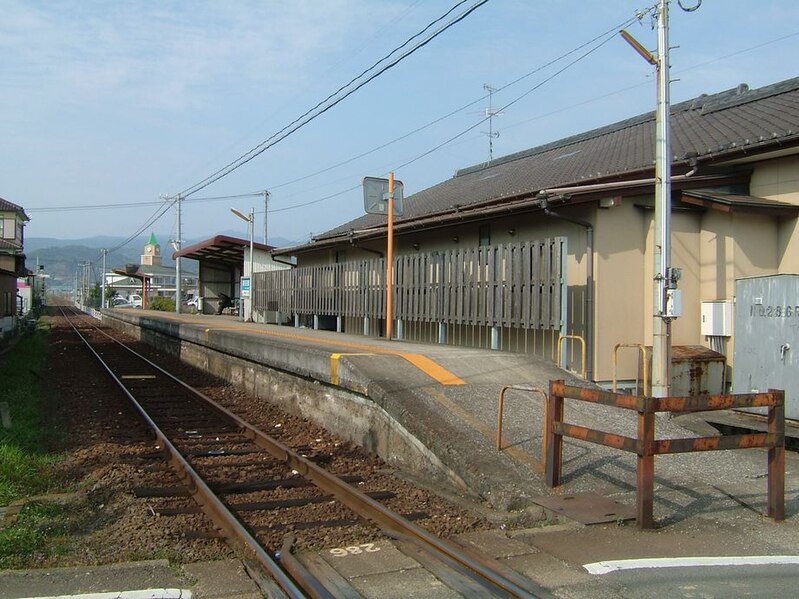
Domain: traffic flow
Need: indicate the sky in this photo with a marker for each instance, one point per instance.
(127, 104)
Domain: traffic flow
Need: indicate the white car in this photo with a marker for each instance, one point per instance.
(135, 300)
(120, 302)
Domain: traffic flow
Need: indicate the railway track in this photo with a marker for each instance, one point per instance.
(204, 443)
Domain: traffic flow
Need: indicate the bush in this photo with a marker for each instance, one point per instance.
(162, 303)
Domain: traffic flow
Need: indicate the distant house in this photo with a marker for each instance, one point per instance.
(12, 261)
(735, 202)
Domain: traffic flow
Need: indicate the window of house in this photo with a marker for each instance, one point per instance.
(484, 235)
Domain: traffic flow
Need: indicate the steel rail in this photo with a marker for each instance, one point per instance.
(391, 523)
(209, 502)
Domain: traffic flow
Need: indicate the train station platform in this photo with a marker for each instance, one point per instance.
(432, 410)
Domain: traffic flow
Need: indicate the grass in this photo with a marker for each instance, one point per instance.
(41, 531)
(24, 458)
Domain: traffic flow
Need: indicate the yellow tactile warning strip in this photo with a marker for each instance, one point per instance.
(427, 365)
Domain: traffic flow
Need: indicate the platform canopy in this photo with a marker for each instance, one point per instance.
(221, 249)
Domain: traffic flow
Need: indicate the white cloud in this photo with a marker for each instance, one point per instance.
(169, 54)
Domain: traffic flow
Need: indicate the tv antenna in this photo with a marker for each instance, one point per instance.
(490, 113)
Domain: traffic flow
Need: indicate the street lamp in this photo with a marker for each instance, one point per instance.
(250, 220)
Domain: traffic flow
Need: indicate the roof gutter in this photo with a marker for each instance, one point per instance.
(529, 201)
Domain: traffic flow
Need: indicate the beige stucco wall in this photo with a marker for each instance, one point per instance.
(778, 179)
(625, 298)
(712, 247)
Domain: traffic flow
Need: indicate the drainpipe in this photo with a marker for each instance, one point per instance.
(589, 285)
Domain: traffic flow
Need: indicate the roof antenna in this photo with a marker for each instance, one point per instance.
(490, 113)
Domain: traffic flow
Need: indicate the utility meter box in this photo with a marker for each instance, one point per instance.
(767, 338)
(717, 318)
(673, 303)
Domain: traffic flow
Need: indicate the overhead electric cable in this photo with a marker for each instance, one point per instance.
(141, 204)
(310, 115)
(506, 106)
(613, 30)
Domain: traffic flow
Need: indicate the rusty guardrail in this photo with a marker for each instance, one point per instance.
(646, 446)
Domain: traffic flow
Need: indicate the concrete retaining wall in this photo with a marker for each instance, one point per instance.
(295, 378)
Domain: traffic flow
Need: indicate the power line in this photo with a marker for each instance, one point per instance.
(506, 106)
(140, 204)
(299, 122)
(310, 115)
(429, 124)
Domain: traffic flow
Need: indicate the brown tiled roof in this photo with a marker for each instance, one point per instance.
(7, 206)
(706, 130)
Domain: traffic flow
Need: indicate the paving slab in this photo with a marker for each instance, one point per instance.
(365, 560)
(408, 584)
(152, 574)
(221, 579)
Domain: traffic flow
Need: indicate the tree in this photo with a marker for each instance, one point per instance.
(95, 292)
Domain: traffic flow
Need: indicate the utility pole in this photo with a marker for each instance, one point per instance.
(661, 324)
(87, 286)
(266, 215)
(666, 300)
(102, 292)
(178, 286)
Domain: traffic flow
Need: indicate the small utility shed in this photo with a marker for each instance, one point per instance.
(223, 261)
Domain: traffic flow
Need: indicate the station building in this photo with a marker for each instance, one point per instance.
(550, 250)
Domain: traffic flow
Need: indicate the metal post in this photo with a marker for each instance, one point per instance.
(776, 458)
(553, 441)
(102, 293)
(661, 328)
(266, 215)
(442, 333)
(495, 338)
(250, 274)
(390, 258)
(178, 286)
(645, 471)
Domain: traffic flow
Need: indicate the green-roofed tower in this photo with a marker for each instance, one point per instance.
(152, 252)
